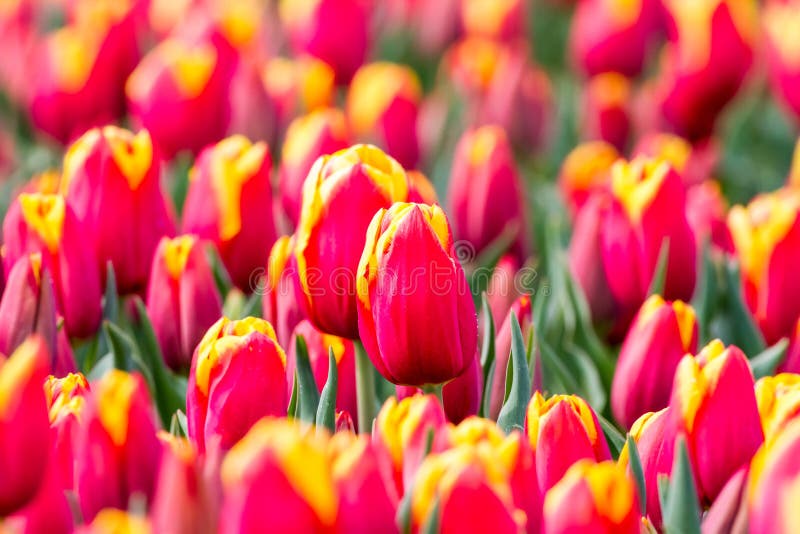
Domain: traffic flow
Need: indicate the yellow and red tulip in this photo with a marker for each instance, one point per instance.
(586, 169)
(707, 211)
(283, 302)
(523, 309)
(66, 399)
(607, 113)
(782, 52)
(116, 520)
(778, 399)
(503, 20)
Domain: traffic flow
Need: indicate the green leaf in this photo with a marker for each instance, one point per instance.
(748, 336)
(365, 389)
(120, 343)
(110, 297)
(682, 511)
(512, 414)
(292, 409)
(614, 437)
(635, 463)
(705, 297)
(253, 306)
(234, 304)
(307, 393)
(103, 365)
(326, 413)
(487, 353)
(660, 274)
(765, 363)
(432, 522)
(221, 276)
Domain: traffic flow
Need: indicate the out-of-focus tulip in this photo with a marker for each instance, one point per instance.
(606, 109)
(773, 484)
(179, 92)
(766, 234)
(48, 511)
(791, 363)
(335, 31)
(694, 162)
(182, 298)
(238, 375)
(661, 334)
(283, 303)
(24, 427)
(112, 181)
(66, 399)
(318, 344)
(115, 520)
(401, 432)
(486, 196)
(714, 405)
(523, 309)
(46, 225)
(782, 53)
(310, 136)
(341, 195)
(704, 64)
(562, 430)
(707, 212)
(586, 169)
(420, 189)
(593, 497)
(382, 105)
(431, 25)
(410, 286)
(278, 477)
(504, 20)
(117, 453)
(504, 288)
(368, 498)
(229, 203)
(613, 35)
(778, 399)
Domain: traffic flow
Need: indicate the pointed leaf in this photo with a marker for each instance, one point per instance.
(614, 437)
(682, 513)
(635, 463)
(307, 393)
(120, 343)
(748, 336)
(660, 274)
(110, 297)
(292, 409)
(487, 351)
(326, 413)
(512, 414)
(432, 523)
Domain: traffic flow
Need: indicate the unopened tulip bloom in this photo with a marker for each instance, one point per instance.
(229, 203)
(278, 477)
(523, 310)
(694, 162)
(562, 430)
(46, 225)
(714, 405)
(66, 401)
(767, 235)
(238, 375)
(783, 56)
(115, 520)
(420, 188)
(335, 31)
(504, 20)
(606, 109)
(586, 169)
(661, 334)
(707, 212)
(283, 302)
(593, 497)
(503, 290)
(778, 399)
(117, 452)
(182, 298)
(308, 137)
(486, 195)
(112, 179)
(382, 105)
(341, 195)
(408, 291)
(24, 426)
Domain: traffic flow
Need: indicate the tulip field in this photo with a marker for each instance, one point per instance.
(399, 266)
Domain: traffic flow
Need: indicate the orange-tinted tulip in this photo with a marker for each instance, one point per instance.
(586, 169)
(503, 20)
(607, 109)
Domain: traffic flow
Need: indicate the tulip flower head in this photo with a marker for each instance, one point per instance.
(778, 400)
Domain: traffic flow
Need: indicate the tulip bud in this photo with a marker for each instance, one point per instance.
(24, 428)
(45, 225)
(115, 520)
(66, 399)
(420, 189)
(503, 290)
(117, 453)
(606, 109)
(119, 167)
(182, 298)
(335, 31)
(523, 310)
(238, 375)
(283, 303)
(593, 497)
(784, 64)
(318, 344)
(714, 404)
(414, 282)
(486, 196)
(278, 477)
(562, 430)
(179, 93)
(707, 211)
(586, 169)
(382, 105)
(778, 399)
(766, 233)
(504, 20)
(660, 335)
(695, 163)
(229, 203)
(344, 423)
(310, 136)
(340, 197)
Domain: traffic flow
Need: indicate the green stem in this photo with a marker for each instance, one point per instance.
(435, 389)
(365, 389)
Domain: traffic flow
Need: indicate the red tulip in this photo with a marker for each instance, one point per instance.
(504, 20)
(115, 520)
(283, 303)
(66, 399)
(778, 399)
(782, 53)
(607, 109)
(586, 169)
(523, 310)
(707, 211)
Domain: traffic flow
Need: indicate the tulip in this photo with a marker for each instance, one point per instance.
(486, 196)
(66, 399)
(791, 363)
(335, 31)
(412, 287)
(782, 54)
(318, 344)
(310, 136)
(278, 478)
(24, 428)
(238, 375)
(179, 92)
(48, 511)
(340, 197)
(778, 399)
(117, 453)
(660, 335)
(420, 189)
(431, 25)
(503, 20)
(504, 288)
(382, 105)
(695, 163)
(283, 303)
(766, 233)
(586, 169)
(714, 405)
(562, 430)
(47, 226)
(115, 520)
(606, 109)
(120, 168)
(182, 298)
(613, 36)
(593, 497)
(707, 211)
(523, 310)
(229, 203)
